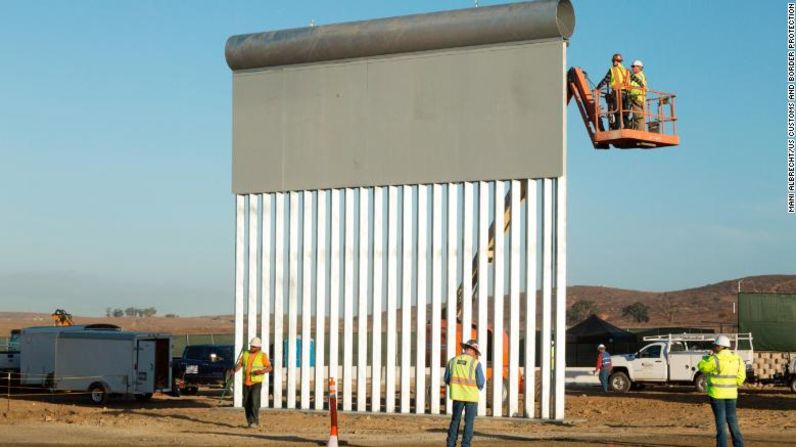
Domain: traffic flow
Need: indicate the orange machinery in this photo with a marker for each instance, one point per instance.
(660, 122)
(486, 352)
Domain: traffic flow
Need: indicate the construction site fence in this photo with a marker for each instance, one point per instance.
(577, 354)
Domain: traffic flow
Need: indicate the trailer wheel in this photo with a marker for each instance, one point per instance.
(98, 394)
(700, 383)
(619, 382)
(793, 384)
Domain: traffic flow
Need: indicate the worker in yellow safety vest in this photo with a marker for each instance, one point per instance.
(725, 371)
(465, 378)
(617, 78)
(256, 365)
(638, 94)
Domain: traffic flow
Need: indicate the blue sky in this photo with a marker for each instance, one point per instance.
(115, 136)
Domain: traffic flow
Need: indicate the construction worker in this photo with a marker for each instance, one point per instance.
(638, 93)
(725, 372)
(617, 79)
(256, 365)
(604, 366)
(465, 378)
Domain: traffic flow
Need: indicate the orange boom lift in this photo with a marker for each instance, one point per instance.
(660, 121)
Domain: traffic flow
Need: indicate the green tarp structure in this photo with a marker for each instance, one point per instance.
(771, 318)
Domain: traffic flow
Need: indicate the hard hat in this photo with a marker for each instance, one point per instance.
(722, 340)
(601, 346)
(256, 342)
(472, 344)
(638, 63)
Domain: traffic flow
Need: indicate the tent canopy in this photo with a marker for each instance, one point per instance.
(596, 330)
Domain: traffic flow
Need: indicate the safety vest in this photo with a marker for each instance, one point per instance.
(259, 362)
(724, 372)
(639, 94)
(463, 385)
(606, 360)
(618, 76)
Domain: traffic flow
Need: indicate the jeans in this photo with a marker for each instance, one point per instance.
(604, 373)
(251, 402)
(611, 102)
(470, 410)
(724, 412)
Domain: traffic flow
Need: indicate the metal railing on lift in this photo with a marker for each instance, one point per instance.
(658, 110)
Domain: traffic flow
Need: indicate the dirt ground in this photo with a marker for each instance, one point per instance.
(650, 418)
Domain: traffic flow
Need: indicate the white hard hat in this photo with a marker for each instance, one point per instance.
(601, 346)
(472, 344)
(256, 342)
(638, 63)
(722, 340)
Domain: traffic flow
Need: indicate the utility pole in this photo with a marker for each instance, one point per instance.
(737, 296)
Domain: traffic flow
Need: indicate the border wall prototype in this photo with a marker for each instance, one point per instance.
(394, 179)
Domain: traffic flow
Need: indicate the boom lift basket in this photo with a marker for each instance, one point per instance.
(610, 120)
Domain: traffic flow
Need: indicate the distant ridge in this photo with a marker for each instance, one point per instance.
(704, 306)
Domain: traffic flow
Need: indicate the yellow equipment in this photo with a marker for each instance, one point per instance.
(62, 318)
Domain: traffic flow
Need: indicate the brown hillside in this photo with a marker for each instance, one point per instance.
(702, 306)
(705, 306)
(189, 325)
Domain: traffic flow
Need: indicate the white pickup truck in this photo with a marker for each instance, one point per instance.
(672, 360)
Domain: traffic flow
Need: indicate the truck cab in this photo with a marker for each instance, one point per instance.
(9, 357)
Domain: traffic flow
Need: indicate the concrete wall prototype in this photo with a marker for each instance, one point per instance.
(373, 148)
(476, 94)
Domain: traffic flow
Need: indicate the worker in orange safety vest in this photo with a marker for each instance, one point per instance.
(256, 365)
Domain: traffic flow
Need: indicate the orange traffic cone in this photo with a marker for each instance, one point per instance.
(332, 413)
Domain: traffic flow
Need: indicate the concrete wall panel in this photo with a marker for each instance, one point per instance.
(477, 113)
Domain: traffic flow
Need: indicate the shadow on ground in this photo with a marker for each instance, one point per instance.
(275, 438)
(755, 399)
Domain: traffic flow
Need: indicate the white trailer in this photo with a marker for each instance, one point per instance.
(100, 362)
(672, 359)
(38, 343)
